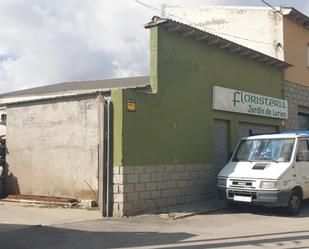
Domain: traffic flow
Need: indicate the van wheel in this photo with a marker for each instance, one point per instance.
(295, 203)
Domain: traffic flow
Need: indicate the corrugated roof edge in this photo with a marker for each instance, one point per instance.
(69, 89)
(296, 16)
(212, 39)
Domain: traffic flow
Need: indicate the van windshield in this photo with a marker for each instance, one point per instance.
(274, 150)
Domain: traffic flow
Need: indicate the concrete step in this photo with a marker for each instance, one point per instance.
(38, 199)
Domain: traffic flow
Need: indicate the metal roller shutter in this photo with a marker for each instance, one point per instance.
(303, 118)
(257, 129)
(303, 121)
(221, 144)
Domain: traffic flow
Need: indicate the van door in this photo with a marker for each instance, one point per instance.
(302, 165)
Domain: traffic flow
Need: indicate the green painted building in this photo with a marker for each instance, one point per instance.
(171, 140)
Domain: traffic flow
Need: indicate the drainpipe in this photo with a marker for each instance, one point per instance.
(108, 150)
(101, 155)
(105, 166)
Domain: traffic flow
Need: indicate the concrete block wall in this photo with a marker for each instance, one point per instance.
(144, 188)
(297, 96)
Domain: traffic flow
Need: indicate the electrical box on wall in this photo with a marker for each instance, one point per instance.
(131, 105)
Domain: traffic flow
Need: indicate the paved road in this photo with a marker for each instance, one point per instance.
(232, 228)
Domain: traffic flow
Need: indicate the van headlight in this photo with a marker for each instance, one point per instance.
(222, 182)
(269, 184)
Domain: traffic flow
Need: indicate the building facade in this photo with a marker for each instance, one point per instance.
(173, 144)
(282, 34)
(143, 143)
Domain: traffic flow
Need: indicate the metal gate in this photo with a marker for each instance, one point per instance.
(244, 129)
(221, 144)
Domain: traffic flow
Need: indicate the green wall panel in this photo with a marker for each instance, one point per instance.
(175, 125)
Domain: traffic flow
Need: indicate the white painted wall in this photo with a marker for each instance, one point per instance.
(260, 29)
(52, 148)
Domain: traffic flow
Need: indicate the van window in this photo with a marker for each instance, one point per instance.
(303, 150)
(279, 150)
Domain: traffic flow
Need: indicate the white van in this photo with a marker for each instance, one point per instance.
(271, 170)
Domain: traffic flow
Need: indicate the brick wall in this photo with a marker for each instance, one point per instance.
(297, 96)
(142, 188)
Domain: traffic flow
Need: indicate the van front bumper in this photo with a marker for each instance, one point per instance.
(260, 197)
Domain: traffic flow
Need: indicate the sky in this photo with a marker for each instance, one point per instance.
(47, 41)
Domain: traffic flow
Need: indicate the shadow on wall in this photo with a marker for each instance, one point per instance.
(11, 181)
(11, 185)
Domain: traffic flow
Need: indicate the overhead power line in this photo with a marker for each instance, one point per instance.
(214, 31)
(271, 7)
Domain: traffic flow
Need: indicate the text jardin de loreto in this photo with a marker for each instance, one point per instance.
(261, 105)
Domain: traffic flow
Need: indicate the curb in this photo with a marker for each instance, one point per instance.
(177, 216)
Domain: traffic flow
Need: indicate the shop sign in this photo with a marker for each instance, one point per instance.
(226, 99)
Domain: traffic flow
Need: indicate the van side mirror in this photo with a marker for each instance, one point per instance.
(299, 157)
